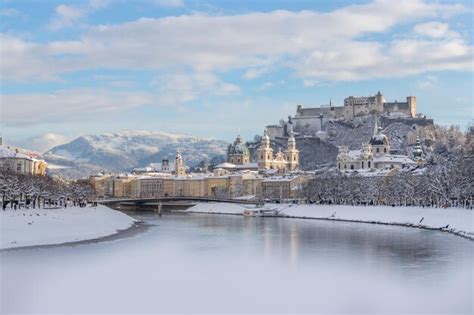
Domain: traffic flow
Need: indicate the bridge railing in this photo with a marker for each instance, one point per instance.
(165, 199)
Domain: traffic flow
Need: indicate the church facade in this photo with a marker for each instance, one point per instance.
(376, 155)
(282, 161)
(238, 153)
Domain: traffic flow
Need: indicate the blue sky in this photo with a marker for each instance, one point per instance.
(211, 68)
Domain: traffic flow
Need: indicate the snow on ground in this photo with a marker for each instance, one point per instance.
(459, 221)
(28, 227)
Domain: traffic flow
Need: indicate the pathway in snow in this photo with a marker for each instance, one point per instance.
(454, 220)
(31, 227)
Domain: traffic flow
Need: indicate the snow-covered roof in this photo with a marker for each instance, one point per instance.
(391, 158)
(247, 165)
(225, 165)
(7, 153)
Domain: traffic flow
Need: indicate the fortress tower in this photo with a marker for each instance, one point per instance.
(411, 101)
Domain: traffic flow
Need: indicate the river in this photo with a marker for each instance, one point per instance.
(223, 263)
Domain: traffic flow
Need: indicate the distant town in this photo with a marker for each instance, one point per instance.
(270, 167)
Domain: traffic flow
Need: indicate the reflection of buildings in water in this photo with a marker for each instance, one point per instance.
(293, 245)
(276, 240)
(267, 241)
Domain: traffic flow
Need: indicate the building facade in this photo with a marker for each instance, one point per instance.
(13, 160)
(373, 155)
(282, 161)
(238, 153)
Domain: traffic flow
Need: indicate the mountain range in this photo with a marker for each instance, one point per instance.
(122, 151)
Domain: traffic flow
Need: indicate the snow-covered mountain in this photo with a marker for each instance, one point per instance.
(124, 150)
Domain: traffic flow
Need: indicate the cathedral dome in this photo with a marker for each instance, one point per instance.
(238, 147)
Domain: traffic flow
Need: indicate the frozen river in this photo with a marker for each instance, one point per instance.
(217, 263)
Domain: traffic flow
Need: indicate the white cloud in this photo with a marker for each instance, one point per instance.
(44, 142)
(179, 88)
(327, 46)
(68, 15)
(172, 90)
(433, 29)
(65, 16)
(66, 104)
(170, 3)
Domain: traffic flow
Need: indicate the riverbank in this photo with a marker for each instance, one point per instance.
(452, 220)
(35, 227)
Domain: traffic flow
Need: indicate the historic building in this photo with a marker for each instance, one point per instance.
(238, 153)
(282, 161)
(179, 167)
(312, 121)
(376, 155)
(21, 161)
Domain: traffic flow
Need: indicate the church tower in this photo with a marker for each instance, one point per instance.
(265, 152)
(418, 152)
(379, 142)
(292, 154)
(179, 167)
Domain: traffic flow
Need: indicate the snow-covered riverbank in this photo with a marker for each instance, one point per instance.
(31, 227)
(453, 220)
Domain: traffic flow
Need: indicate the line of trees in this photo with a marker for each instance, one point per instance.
(36, 191)
(442, 184)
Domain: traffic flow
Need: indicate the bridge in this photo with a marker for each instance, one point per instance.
(167, 203)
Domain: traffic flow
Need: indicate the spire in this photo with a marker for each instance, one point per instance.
(376, 128)
(330, 101)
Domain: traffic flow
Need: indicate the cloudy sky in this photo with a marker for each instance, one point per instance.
(211, 68)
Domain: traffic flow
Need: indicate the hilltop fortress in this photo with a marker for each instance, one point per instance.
(312, 121)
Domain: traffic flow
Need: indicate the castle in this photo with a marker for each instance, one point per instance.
(359, 106)
(311, 121)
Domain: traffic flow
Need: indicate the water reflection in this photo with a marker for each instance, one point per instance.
(217, 263)
(294, 240)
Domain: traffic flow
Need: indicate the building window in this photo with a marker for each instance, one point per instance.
(261, 157)
(18, 167)
(294, 158)
(352, 166)
(362, 164)
(385, 150)
(339, 165)
(345, 166)
(378, 150)
(368, 164)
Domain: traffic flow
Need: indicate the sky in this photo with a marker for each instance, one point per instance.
(216, 68)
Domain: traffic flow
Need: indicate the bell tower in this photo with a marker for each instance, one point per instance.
(292, 155)
(265, 152)
(179, 168)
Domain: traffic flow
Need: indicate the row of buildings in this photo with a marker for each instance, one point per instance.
(20, 161)
(245, 184)
(273, 176)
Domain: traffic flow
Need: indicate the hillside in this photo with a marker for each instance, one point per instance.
(125, 150)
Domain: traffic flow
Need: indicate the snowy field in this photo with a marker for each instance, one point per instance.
(454, 220)
(29, 227)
